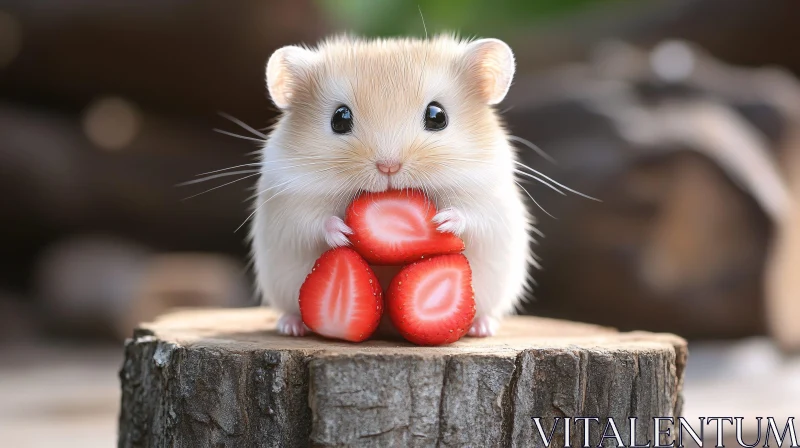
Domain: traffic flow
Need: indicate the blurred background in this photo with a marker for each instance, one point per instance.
(682, 116)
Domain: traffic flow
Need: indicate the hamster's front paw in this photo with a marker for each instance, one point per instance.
(292, 325)
(450, 220)
(483, 326)
(336, 232)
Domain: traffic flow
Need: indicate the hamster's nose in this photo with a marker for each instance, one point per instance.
(388, 168)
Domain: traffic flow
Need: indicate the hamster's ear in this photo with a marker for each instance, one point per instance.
(285, 70)
(491, 63)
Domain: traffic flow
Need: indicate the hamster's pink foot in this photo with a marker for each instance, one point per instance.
(292, 325)
(483, 326)
(336, 232)
(450, 220)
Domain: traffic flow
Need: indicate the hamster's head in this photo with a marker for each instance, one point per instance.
(387, 114)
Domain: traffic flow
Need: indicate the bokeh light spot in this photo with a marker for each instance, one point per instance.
(111, 123)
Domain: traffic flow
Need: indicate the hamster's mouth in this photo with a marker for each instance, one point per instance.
(383, 183)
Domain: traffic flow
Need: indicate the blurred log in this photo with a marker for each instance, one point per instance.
(72, 52)
(740, 32)
(85, 285)
(103, 286)
(19, 321)
(191, 58)
(64, 183)
(168, 59)
(783, 287)
(225, 378)
(685, 153)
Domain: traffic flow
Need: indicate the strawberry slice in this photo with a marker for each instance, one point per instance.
(394, 227)
(341, 297)
(431, 302)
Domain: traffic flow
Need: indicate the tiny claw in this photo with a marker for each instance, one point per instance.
(483, 326)
(292, 325)
(450, 220)
(336, 232)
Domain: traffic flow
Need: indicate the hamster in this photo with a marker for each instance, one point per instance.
(371, 115)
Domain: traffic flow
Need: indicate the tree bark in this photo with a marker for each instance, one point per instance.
(224, 378)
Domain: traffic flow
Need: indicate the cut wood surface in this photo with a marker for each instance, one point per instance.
(225, 378)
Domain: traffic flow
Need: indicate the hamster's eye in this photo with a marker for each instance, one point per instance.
(342, 120)
(435, 117)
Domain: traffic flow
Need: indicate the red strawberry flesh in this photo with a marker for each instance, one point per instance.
(395, 227)
(431, 302)
(341, 297)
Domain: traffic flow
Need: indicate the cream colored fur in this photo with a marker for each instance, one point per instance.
(310, 173)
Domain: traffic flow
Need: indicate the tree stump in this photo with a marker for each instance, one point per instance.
(225, 378)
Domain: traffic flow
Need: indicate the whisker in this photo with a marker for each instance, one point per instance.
(535, 148)
(229, 168)
(517, 171)
(560, 185)
(445, 159)
(274, 195)
(243, 125)
(290, 181)
(292, 159)
(215, 176)
(540, 181)
(496, 213)
(534, 200)
(256, 210)
(244, 137)
(220, 186)
(279, 168)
